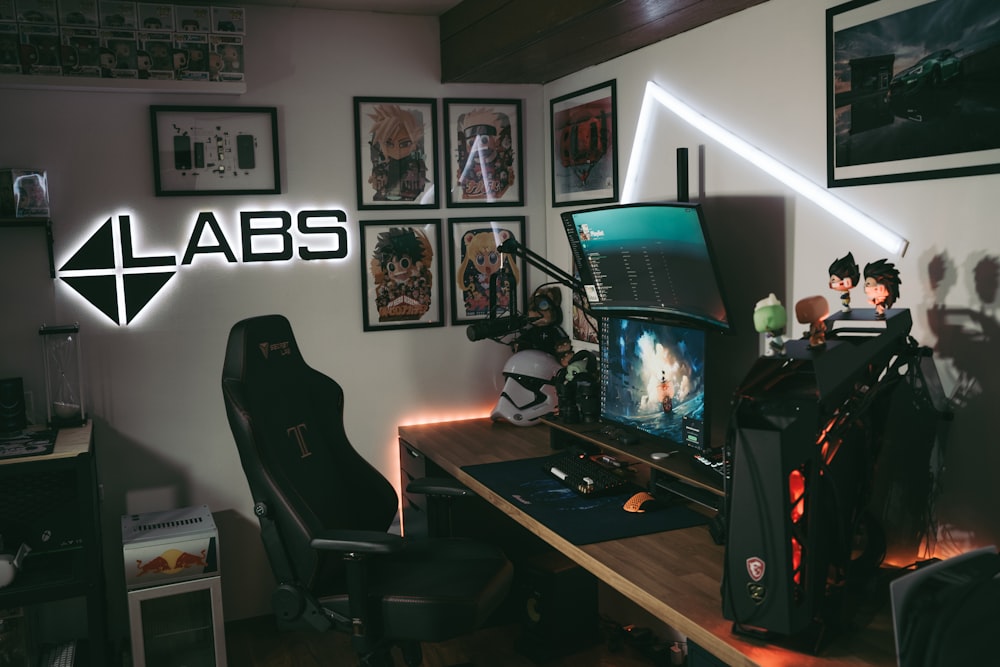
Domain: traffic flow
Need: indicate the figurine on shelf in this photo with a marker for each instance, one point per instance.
(881, 286)
(545, 332)
(813, 310)
(769, 318)
(844, 276)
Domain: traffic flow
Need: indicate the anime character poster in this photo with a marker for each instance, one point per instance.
(396, 152)
(483, 144)
(478, 266)
(584, 146)
(400, 272)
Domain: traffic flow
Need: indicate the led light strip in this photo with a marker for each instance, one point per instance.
(854, 218)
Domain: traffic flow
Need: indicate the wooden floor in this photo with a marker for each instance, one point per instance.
(258, 643)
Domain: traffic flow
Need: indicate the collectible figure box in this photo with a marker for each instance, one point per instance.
(81, 52)
(193, 54)
(166, 547)
(10, 49)
(192, 18)
(119, 54)
(37, 11)
(117, 14)
(40, 49)
(82, 13)
(156, 17)
(24, 193)
(156, 49)
(227, 57)
(229, 19)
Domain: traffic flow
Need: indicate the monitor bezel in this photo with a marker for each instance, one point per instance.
(664, 314)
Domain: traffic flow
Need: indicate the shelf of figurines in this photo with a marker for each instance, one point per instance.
(96, 84)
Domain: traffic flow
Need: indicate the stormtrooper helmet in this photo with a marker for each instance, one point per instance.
(529, 392)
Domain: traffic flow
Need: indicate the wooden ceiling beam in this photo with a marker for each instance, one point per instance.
(537, 41)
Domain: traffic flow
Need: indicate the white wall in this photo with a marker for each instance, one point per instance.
(760, 73)
(162, 436)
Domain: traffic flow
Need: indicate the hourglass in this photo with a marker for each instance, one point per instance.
(63, 376)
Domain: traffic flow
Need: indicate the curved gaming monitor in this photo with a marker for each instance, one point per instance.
(650, 261)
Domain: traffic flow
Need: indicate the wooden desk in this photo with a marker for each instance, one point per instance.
(674, 575)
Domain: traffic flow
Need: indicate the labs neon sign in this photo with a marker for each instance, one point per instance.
(120, 284)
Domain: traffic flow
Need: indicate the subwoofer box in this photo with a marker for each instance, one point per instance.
(559, 609)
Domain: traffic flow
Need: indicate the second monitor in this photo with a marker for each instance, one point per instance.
(653, 379)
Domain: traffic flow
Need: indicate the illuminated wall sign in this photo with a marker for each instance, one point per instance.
(120, 284)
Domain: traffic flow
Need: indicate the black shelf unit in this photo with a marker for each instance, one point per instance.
(63, 484)
(45, 223)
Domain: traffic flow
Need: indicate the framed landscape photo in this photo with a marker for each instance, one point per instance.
(396, 152)
(483, 148)
(911, 90)
(202, 150)
(475, 263)
(401, 274)
(584, 146)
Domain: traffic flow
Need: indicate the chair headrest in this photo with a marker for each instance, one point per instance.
(263, 344)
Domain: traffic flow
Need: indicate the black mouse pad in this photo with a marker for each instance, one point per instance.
(577, 519)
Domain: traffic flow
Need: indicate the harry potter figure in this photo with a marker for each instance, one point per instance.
(881, 286)
(844, 276)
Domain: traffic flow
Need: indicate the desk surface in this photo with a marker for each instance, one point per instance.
(70, 441)
(674, 575)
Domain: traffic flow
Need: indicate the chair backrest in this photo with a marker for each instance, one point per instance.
(287, 420)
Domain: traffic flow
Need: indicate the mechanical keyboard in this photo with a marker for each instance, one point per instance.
(584, 475)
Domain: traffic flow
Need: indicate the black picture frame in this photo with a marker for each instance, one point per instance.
(400, 181)
(413, 297)
(214, 150)
(584, 143)
(478, 237)
(493, 176)
(906, 91)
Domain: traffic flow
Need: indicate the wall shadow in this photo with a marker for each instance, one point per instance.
(967, 340)
(748, 237)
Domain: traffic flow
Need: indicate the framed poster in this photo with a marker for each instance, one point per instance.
(475, 264)
(199, 150)
(401, 274)
(909, 90)
(584, 146)
(483, 148)
(396, 152)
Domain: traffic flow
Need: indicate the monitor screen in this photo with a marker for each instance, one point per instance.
(647, 260)
(653, 379)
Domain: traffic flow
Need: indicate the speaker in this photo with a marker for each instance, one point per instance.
(559, 613)
(12, 415)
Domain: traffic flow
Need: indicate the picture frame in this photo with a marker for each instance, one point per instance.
(478, 237)
(401, 276)
(584, 143)
(396, 153)
(215, 150)
(904, 102)
(493, 174)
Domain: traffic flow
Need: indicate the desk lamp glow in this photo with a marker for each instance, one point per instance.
(854, 218)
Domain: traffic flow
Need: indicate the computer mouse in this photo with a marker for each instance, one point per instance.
(643, 502)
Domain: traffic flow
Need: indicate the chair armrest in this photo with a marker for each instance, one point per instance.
(357, 541)
(439, 486)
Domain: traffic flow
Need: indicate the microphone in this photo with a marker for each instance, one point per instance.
(498, 326)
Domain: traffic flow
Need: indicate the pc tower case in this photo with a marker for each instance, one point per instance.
(805, 431)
